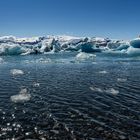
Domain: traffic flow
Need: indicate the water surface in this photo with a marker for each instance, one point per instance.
(70, 99)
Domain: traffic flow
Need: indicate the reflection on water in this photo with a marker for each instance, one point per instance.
(70, 99)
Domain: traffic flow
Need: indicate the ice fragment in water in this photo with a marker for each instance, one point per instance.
(121, 80)
(84, 56)
(103, 72)
(16, 72)
(112, 91)
(96, 89)
(22, 96)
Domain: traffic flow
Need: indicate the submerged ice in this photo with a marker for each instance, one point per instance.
(107, 90)
(1, 60)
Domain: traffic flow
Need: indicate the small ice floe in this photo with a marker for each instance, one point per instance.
(85, 56)
(112, 91)
(103, 72)
(23, 96)
(35, 84)
(121, 79)
(16, 72)
(96, 89)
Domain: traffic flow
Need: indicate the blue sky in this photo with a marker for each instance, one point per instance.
(105, 18)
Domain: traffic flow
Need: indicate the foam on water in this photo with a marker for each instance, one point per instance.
(16, 72)
(21, 97)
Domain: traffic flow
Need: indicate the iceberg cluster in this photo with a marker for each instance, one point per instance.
(10, 45)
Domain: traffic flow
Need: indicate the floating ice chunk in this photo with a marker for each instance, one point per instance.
(16, 72)
(103, 72)
(22, 96)
(112, 91)
(35, 84)
(121, 80)
(96, 89)
(84, 56)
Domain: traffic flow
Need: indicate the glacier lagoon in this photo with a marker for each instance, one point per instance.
(71, 94)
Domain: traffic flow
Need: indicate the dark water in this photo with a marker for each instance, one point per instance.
(76, 100)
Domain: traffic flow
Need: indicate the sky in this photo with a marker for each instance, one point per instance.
(103, 18)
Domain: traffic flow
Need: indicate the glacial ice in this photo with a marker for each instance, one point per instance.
(16, 72)
(21, 97)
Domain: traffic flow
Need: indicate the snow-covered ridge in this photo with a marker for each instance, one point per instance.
(11, 45)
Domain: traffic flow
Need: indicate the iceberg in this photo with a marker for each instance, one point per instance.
(135, 43)
(133, 51)
(89, 47)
